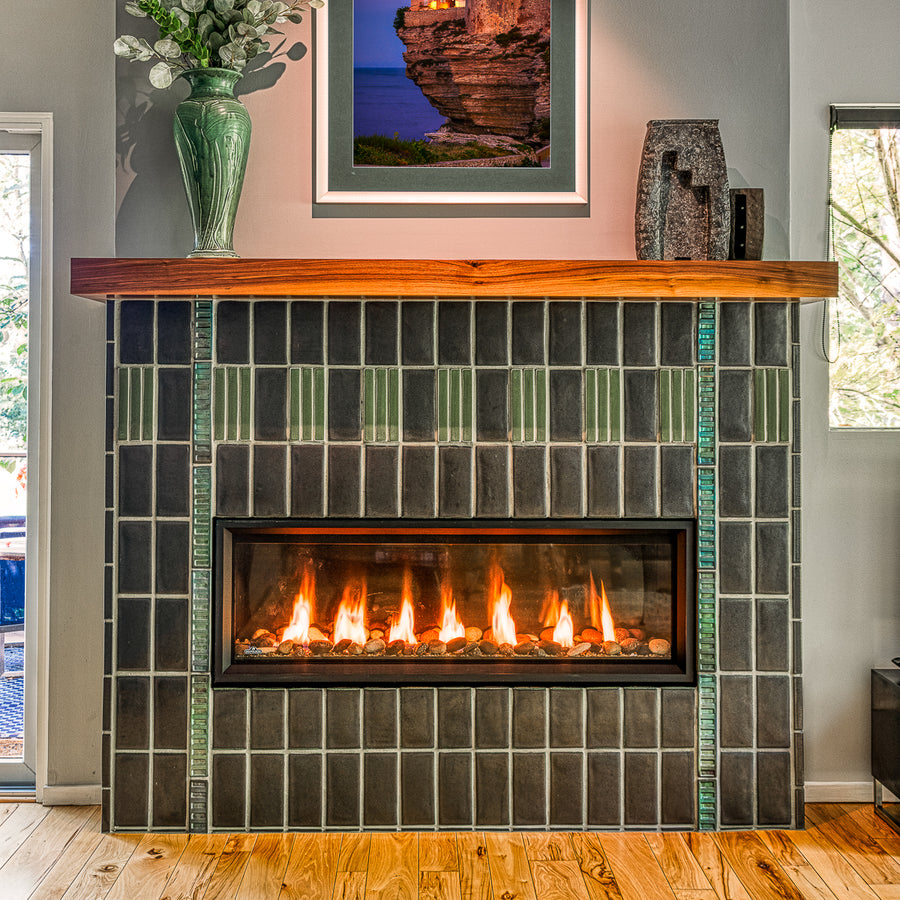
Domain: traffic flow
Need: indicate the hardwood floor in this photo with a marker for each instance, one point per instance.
(58, 853)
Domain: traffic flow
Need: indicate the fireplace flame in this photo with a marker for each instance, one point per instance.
(502, 625)
(350, 621)
(564, 633)
(304, 604)
(451, 624)
(550, 609)
(601, 614)
(402, 628)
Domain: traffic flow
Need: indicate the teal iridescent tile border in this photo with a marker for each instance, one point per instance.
(202, 425)
(200, 581)
(199, 761)
(201, 519)
(198, 804)
(203, 329)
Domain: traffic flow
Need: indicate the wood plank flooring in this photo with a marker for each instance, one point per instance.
(58, 853)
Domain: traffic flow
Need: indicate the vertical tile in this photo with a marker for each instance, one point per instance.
(602, 339)
(566, 789)
(381, 333)
(232, 332)
(454, 717)
(170, 787)
(344, 405)
(773, 711)
(229, 806)
(379, 718)
(417, 333)
(269, 481)
(678, 717)
(170, 713)
(454, 405)
(735, 483)
(419, 421)
(492, 481)
(528, 333)
(639, 334)
(418, 486)
(307, 332)
(305, 718)
(603, 481)
(491, 718)
(343, 332)
(770, 333)
(382, 464)
(266, 790)
(565, 334)
(171, 627)
(173, 547)
(135, 481)
(529, 482)
(381, 405)
(270, 332)
(417, 805)
(736, 635)
(604, 715)
(602, 405)
(528, 404)
(304, 791)
(772, 635)
(529, 718)
(772, 558)
(677, 334)
(641, 491)
(132, 713)
(566, 482)
(678, 789)
(604, 779)
(307, 480)
(134, 558)
(266, 719)
(734, 334)
(135, 332)
(676, 471)
(173, 490)
(132, 791)
(174, 405)
(455, 789)
(491, 790)
(566, 717)
(734, 406)
(229, 720)
(455, 482)
(133, 634)
(774, 789)
(772, 482)
(735, 557)
(491, 339)
(641, 717)
(306, 404)
(417, 718)
(380, 790)
(343, 481)
(342, 719)
(566, 413)
(529, 789)
(454, 340)
(737, 789)
(491, 405)
(641, 796)
(342, 794)
(641, 412)
(736, 710)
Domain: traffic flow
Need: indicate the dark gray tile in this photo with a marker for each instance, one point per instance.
(796, 435)
(797, 688)
(132, 790)
(491, 789)
(342, 795)
(135, 332)
(529, 719)
(107, 705)
(565, 334)
(229, 720)
(677, 340)
(794, 313)
(455, 789)
(170, 790)
(419, 423)
(602, 343)
(566, 789)
(735, 635)
(796, 541)
(380, 789)
(771, 334)
(529, 789)
(416, 718)
(796, 648)
(796, 478)
(735, 389)
(604, 714)
(379, 718)
(678, 789)
(173, 557)
(639, 334)
(772, 483)
(773, 566)
(736, 711)
(734, 334)
(382, 464)
(492, 481)
(307, 490)
(270, 332)
(799, 776)
(641, 796)
(232, 480)
(641, 717)
(343, 332)
(454, 717)
(170, 713)
(107, 591)
(566, 717)
(604, 781)
(641, 405)
(455, 482)
(418, 482)
(773, 711)
(416, 789)
(773, 629)
(492, 405)
(344, 419)
(491, 718)
(736, 789)
(566, 412)
(109, 538)
(774, 790)
(136, 481)
(269, 481)
(229, 807)
(110, 423)
(566, 482)
(491, 340)
(232, 332)
(735, 482)
(796, 593)
(529, 482)
(676, 475)
(343, 481)
(734, 557)
(132, 713)
(109, 491)
(454, 333)
(795, 372)
(105, 810)
(381, 333)
(528, 334)
(417, 333)
(341, 718)
(304, 791)
(133, 634)
(173, 401)
(111, 318)
(266, 790)
(603, 481)
(305, 718)
(266, 719)
(307, 332)
(173, 482)
(641, 492)
(679, 717)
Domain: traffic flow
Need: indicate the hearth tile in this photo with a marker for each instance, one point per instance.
(232, 480)
(774, 791)
(169, 790)
(603, 481)
(229, 719)
(528, 334)
(417, 333)
(641, 717)
(492, 405)
(382, 464)
(734, 557)
(676, 337)
(381, 405)
(454, 405)
(773, 566)
(133, 634)
(266, 719)
(229, 802)
(736, 711)
(132, 713)
(676, 472)
(529, 482)
(604, 775)
(770, 334)
(305, 718)
(135, 481)
(342, 794)
(270, 332)
(307, 331)
(492, 481)
(454, 717)
(342, 718)
(135, 332)
(735, 482)
(132, 790)
(379, 718)
(735, 635)
(567, 482)
(304, 790)
(266, 790)
(173, 552)
(455, 475)
(454, 340)
(173, 405)
(734, 334)
(381, 333)
(641, 795)
(602, 405)
(343, 332)
(734, 405)
(418, 482)
(491, 718)
(455, 789)
(417, 788)
(772, 636)
(678, 789)
(529, 789)
(270, 407)
(604, 717)
(528, 404)
(380, 789)
(491, 790)
(529, 718)
(173, 483)
(797, 706)
(307, 480)
(677, 406)
(641, 405)
(566, 789)
(772, 482)
(269, 477)
(773, 711)
(566, 717)
(566, 401)
(419, 422)
(639, 334)
(491, 334)
(602, 344)
(343, 481)
(796, 594)
(679, 717)
(565, 334)
(416, 717)
(170, 713)
(641, 491)
(232, 332)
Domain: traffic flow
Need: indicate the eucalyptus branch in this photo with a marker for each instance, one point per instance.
(866, 232)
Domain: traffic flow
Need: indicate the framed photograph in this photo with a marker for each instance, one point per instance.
(451, 101)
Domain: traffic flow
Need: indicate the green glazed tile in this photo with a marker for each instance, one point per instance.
(455, 405)
(246, 394)
(199, 726)
(666, 402)
(690, 406)
(134, 405)
(784, 404)
(319, 395)
(540, 406)
(393, 404)
(615, 404)
(590, 405)
(147, 405)
(515, 404)
(443, 410)
(759, 404)
(201, 521)
(369, 413)
(308, 397)
(771, 405)
(466, 405)
(203, 329)
(231, 408)
(123, 398)
(219, 399)
(202, 415)
(200, 620)
(528, 403)
(294, 405)
(678, 403)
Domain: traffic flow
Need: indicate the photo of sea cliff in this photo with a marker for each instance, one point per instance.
(451, 83)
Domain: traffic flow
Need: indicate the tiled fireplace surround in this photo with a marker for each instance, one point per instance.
(451, 408)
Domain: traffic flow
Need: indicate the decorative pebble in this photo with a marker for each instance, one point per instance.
(592, 635)
(611, 648)
(316, 634)
(437, 648)
(430, 634)
(524, 648)
(285, 647)
(456, 644)
(630, 645)
(355, 649)
(409, 649)
(550, 648)
(488, 647)
(375, 646)
(622, 634)
(474, 634)
(660, 647)
(320, 648)
(638, 633)
(394, 648)
(422, 649)
(343, 645)
(507, 650)
(472, 650)
(580, 649)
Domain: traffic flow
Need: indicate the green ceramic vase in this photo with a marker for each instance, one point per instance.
(212, 136)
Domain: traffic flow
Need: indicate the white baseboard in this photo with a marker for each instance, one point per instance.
(70, 795)
(843, 792)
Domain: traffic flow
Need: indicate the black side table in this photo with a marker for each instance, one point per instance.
(886, 740)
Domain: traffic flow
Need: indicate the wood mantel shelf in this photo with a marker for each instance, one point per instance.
(102, 279)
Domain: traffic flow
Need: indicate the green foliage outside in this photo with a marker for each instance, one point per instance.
(378, 150)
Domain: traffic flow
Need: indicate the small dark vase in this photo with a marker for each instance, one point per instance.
(212, 136)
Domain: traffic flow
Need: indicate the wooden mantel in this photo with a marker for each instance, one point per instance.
(102, 279)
